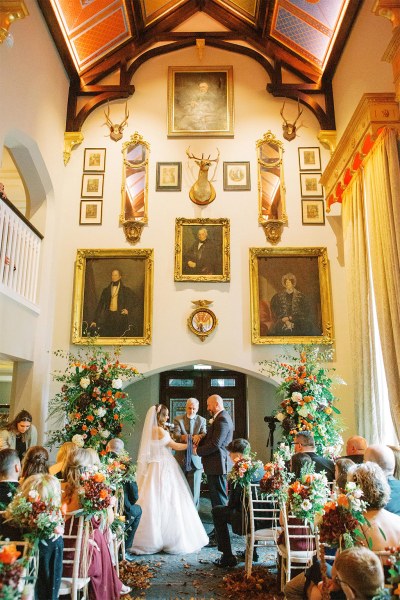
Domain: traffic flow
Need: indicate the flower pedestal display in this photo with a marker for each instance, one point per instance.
(91, 404)
(308, 495)
(307, 402)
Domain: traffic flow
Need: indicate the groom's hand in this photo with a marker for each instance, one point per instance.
(196, 439)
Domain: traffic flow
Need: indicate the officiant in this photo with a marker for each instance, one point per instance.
(190, 428)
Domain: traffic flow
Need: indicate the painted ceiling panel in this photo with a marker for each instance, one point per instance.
(326, 12)
(248, 8)
(154, 9)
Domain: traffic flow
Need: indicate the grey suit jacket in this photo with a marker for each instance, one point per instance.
(181, 427)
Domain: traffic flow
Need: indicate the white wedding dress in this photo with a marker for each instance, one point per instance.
(169, 521)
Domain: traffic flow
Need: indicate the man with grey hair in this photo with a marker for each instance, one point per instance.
(190, 424)
(384, 457)
(132, 511)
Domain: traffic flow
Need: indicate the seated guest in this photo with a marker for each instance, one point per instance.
(384, 457)
(304, 442)
(355, 448)
(63, 454)
(20, 434)
(50, 550)
(396, 452)
(342, 467)
(232, 513)
(34, 462)
(104, 582)
(10, 470)
(132, 511)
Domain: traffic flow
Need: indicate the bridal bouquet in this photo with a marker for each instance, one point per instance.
(244, 470)
(39, 519)
(95, 494)
(339, 526)
(308, 495)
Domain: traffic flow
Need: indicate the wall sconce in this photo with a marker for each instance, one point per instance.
(10, 11)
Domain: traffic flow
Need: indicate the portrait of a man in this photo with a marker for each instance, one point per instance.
(290, 296)
(113, 297)
(202, 250)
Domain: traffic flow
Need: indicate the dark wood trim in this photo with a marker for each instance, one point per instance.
(58, 38)
(21, 216)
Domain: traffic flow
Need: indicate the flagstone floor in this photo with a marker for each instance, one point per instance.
(194, 577)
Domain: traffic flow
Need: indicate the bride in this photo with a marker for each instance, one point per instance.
(169, 521)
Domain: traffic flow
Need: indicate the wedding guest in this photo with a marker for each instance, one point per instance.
(63, 454)
(359, 573)
(190, 424)
(396, 452)
(355, 448)
(384, 457)
(10, 470)
(304, 442)
(342, 467)
(51, 549)
(35, 461)
(104, 582)
(233, 512)
(132, 510)
(20, 434)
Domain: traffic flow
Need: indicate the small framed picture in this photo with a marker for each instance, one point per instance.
(168, 177)
(236, 176)
(310, 185)
(309, 159)
(91, 212)
(92, 186)
(94, 160)
(313, 212)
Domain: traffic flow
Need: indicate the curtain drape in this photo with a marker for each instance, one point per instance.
(382, 201)
(361, 323)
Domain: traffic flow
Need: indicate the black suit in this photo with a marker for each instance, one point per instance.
(212, 449)
(113, 323)
(323, 464)
(356, 458)
(132, 511)
(208, 260)
(393, 505)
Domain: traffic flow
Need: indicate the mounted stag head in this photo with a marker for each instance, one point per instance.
(290, 129)
(202, 191)
(116, 131)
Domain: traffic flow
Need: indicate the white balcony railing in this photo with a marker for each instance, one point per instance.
(19, 254)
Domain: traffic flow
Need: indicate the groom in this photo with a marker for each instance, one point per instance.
(190, 424)
(212, 449)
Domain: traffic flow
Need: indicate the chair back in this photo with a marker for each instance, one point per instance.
(75, 527)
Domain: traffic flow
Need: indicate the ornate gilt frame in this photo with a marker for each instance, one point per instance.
(181, 243)
(132, 224)
(272, 227)
(323, 285)
(117, 258)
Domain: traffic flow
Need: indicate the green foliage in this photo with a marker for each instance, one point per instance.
(306, 397)
(91, 407)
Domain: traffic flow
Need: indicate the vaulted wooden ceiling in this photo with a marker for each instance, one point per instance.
(97, 37)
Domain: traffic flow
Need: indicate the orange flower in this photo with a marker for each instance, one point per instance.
(103, 494)
(309, 478)
(103, 398)
(308, 398)
(84, 427)
(289, 410)
(90, 418)
(103, 452)
(328, 410)
(93, 431)
(342, 500)
(296, 487)
(303, 357)
(78, 415)
(116, 417)
(109, 393)
(397, 590)
(329, 506)
(9, 554)
(98, 477)
(300, 381)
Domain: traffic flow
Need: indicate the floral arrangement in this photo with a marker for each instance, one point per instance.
(394, 570)
(11, 572)
(276, 479)
(91, 403)
(244, 470)
(308, 495)
(118, 469)
(307, 402)
(39, 519)
(95, 494)
(343, 514)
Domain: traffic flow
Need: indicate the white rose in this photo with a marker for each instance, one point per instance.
(303, 411)
(350, 486)
(78, 440)
(296, 397)
(84, 382)
(117, 384)
(100, 412)
(280, 416)
(33, 494)
(306, 504)
(357, 493)
(105, 433)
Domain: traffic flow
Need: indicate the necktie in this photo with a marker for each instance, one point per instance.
(189, 450)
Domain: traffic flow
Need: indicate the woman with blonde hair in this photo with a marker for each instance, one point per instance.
(63, 454)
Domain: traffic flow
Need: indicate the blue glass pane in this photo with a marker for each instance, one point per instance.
(181, 382)
(223, 382)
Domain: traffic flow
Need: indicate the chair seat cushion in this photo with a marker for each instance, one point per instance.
(66, 584)
(303, 555)
(265, 534)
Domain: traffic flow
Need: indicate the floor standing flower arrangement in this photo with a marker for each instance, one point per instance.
(91, 403)
(307, 402)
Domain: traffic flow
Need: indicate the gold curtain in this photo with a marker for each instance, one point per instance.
(382, 202)
(366, 390)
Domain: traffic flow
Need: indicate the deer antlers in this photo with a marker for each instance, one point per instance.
(290, 129)
(116, 131)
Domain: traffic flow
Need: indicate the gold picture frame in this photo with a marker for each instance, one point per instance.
(200, 102)
(202, 250)
(94, 160)
(131, 325)
(302, 274)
